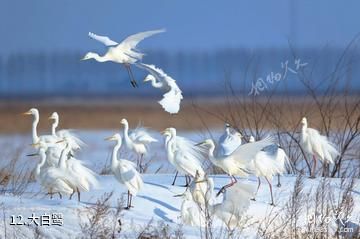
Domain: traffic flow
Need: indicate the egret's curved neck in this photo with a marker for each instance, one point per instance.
(227, 131)
(304, 127)
(63, 157)
(54, 126)
(35, 122)
(40, 164)
(100, 58)
(156, 84)
(211, 152)
(169, 148)
(126, 135)
(114, 154)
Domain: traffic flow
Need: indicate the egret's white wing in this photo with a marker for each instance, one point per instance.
(228, 143)
(75, 141)
(247, 152)
(171, 102)
(141, 135)
(131, 41)
(129, 176)
(172, 98)
(103, 39)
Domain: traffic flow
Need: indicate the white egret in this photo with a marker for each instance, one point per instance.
(82, 178)
(53, 179)
(229, 141)
(35, 138)
(184, 159)
(190, 211)
(236, 201)
(137, 141)
(317, 145)
(238, 162)
(185, 145)
(267, 165)
(53, 153)
(73, 140)
(125, 171)
(283, 162)
(160, 80)
(124, 53)
(202, 188)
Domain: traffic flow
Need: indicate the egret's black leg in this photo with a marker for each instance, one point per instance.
(259, 183)
(173, 183)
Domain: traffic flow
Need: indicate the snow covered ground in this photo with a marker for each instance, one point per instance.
(155, 201)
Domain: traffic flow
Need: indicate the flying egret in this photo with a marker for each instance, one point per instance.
(229, 141)
(180, 157)
(125, 171)
(160, 80)
(236, 201)
(185, 145)
(53, 179)
(266, 165)
(137, 141)
(124, 53)
(75, 142)
(317, 145)
(238, 162)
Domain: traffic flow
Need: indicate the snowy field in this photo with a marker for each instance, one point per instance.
(155, 202)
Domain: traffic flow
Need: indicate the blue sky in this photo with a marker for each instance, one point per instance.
(42, 25)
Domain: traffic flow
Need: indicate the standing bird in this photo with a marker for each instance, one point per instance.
(137, 141)
(125, 171)
(238, 162)
(124, 53)
(53, 179)
(53, 153)
(185, 145)
(202, 189)
(74, 141)
(317, 145)
(190, 212)
(236, 201)
(82, 178)
(229, 141)
(266, 165)
(160, 80)
(184, 158)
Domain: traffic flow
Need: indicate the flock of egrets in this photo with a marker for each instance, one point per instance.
(60, 172)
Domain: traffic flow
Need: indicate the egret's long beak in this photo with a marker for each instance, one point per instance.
(179, 195)
(83, 59)
(31, 155)
(50, 118)
(35, 145)
(60, 141)
(109, 138)
(199, 144)
(27, 113)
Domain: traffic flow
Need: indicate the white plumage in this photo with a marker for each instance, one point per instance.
(238, 162)
(125, 171)
(228, 142)
(124, 53)
(191, 213)
(137, 140)
(159, 79)
(202, 189)
(235, 203)
(181, 155)
(317, 145)
(52, 179)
